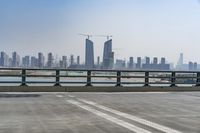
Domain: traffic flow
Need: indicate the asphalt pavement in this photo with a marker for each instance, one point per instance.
(122, 112)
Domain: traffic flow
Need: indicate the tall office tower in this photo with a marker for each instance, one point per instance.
(147, 60)
(120, 64)
(98, 61)
(34, 62)
(71, 60)
(195, 65)
(50, 60)
(26, 61)
(89, 54)
(107, 58)
(139, 63)
(162, 61)
(78, 60)
(111, 63)
(10, 62)
(130, 65)
(15, 59)
(190, 66)
(155, 60)
(179, 65)
(64, 62)
(40, 60)
(4, 59)
(1, 59)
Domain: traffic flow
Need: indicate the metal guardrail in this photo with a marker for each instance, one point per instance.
(170, 77)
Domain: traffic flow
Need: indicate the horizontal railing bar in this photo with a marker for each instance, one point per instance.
(97, 70)
(72, 82)
(10, 82)
(40, 75)
(40, 82)
(4, 75)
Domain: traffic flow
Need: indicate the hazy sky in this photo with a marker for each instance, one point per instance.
(139, 27)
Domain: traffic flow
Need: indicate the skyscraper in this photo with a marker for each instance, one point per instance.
(179, 65)
(107, 54)
(40, 60)
(155, 60)
(71, 60)
(89, 54)
(50, 60)
(15, 59)
(130, 65)
(139, 63)
(78, 60)
(4, 60)
(147, 60)
(162, 61)
(34, 62)
(64, 61)
(26, 61)
(98, 61)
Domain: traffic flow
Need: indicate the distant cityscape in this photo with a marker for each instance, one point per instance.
(107, 62)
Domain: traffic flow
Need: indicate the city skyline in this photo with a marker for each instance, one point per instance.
(107, 61)
(154, 28)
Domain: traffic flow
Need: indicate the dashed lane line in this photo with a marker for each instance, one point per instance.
(60, 96)
(122, 123)
(131, 117)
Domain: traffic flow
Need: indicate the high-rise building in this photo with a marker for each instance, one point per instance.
(89, 54)
(40, 60)
(26, 61)
(71, 60)
(108, 56)
(147, 60)
(139, 63)
(179, 65)
(162, 61)
(4, 60)
(78, 60)
(15, 59)
(120, 64)
(190, 66)
(50, 60)
(195, 65)
(64, 62)
(34, 62)
(155, 60)
(98, 61)
(130, 65)
(147, 64)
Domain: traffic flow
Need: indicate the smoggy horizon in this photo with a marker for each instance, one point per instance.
(153, 28)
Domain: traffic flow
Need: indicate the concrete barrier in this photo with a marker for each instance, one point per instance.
(92, 89)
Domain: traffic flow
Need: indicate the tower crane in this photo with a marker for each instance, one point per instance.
(88, 36)
(107, 36)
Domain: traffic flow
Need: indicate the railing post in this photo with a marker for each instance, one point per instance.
(88, 78)
(146, 84)
(198, 79)
(57, 78)
(173, 79)
(23, 83)
(118, 79)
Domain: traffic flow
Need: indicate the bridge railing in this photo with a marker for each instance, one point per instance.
(58, 77)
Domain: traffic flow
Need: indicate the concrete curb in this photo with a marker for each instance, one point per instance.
(92, 89)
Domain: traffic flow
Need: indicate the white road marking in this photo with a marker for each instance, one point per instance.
(134, 118)
(110, 118)
(59, 95)
(71, 96)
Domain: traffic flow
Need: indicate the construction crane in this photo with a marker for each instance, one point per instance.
(107, 36)
(88, 36)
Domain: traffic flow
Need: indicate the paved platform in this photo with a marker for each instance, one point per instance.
(121, 112)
